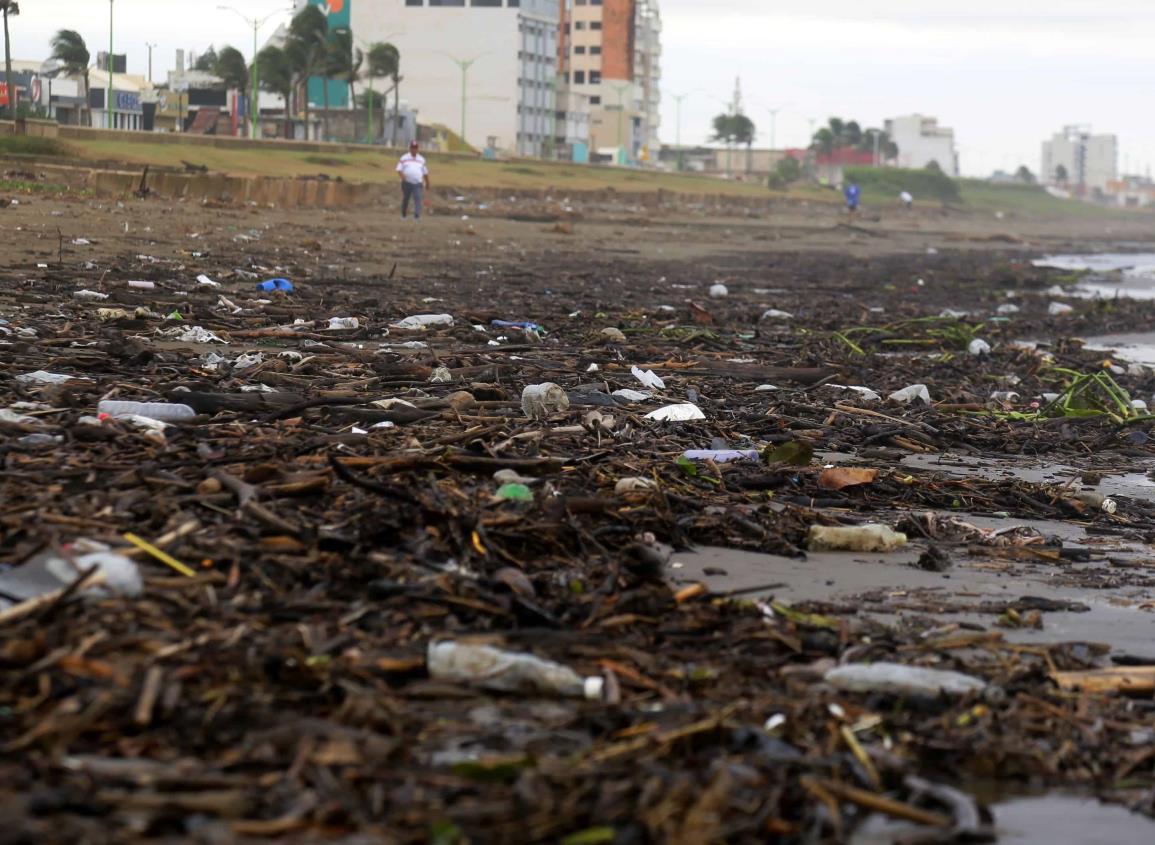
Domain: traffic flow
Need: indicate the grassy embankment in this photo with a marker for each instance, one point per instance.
(880, 187)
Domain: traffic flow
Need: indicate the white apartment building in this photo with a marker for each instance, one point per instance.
(921, 140)
(1090, 161)
(483, 68)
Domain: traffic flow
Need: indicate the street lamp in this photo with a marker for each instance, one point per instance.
(254, 71)
(150, 47)
(465, 65)
(621, 90)
(678, 98)
(108, 106)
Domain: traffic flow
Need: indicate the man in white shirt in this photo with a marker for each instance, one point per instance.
(414, 181)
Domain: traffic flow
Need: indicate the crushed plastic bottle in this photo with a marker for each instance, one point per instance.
(503, 671)
(916, 392)
(89, 295)
(1058, 309)
(775, 314)
(901, 680)
(162, 411)
(142, 285)
(49, 573)
(423, 321)
(516, 324)
(722, 456)
(854, 538)
(539, 401)
(43, 377)
(343, 323)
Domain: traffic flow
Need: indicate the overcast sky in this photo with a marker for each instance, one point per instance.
(1003, 74)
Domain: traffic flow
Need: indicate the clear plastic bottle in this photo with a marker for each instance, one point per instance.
(163, 411)
(503, 671)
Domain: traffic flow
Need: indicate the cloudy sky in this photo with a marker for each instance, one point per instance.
(1004, 75)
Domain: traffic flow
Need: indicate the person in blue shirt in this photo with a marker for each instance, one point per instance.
(853, 193)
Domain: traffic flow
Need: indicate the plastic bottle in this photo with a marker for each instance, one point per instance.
(722, 456)
(274, 284)
(344, 323)
(540, 400)
(141, 285)
(503, 671)
(423, 321)
(516, 324)
(899, 679)
(163, 411)
(854, 538)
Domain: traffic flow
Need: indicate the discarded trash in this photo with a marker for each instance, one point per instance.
(539, 401)
(342, 323)
(194, 334)
(719, 291)
(502, 671)
(1057, 309)
(979, 347)
(865, 392)
(1008, 309)
(441, 375)
(648, 378)
(631, 395)
(90, 295)
(775, 314)
(684, 412)
(901, 680)
(204, 280)
(857, 538)
(42, 377)
(283, 285)
(612, 335)
(163, 411)
(45, 578)
(142, 285)
(423, 321)
(633, 486)
(514, 324)
(722, 456)
(916, 392)
(839, 478)
(514, 493)
(1007, 396)
(1098, 501)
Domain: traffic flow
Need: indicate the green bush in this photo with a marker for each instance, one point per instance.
(891, 181)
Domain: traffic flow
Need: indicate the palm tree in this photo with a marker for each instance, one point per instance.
(384, 63)
(231, 68)
(344, 63)
(69, 49)
(306, 47)
(277, 77)
(9, 7)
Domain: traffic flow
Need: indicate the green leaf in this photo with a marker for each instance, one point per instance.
(591, 836)
(808, 620)
(445, 832)
(499, 769)
(794, 453)
(688, 467)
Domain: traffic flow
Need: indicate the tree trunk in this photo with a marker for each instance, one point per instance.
(288, 94)
(87, 100)
(325, 102)
(305, 88)
(396, 111)
(8, 67)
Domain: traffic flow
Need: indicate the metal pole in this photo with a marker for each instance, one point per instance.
(678, 98)
(370, 138)
(150, 47)
(256, 79)
(773, 129)
(464, 72)
(108, 105)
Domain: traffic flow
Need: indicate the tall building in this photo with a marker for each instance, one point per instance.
(610, 51)
(921, 140)
(487, 70)
(1085, 162)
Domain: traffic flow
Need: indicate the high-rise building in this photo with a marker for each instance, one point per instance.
(920, 141)
(610, 51)
(486, 69)
(1076, 158)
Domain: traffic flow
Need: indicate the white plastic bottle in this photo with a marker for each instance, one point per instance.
(163, 411)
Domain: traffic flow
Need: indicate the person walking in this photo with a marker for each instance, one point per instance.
(852, 193)
(414, 181)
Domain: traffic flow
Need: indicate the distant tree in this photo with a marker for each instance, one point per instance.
(934, 167)
(734, 129)
(383, 62)
(206, 61)
(69, 49)
(1024, 175)
(230, 66)
(10, 8)
(887, 149)
(344, 62)
(824, 141)
(307, 49)
(1061, 175)
(787, 171)
(839, 134)
(277, 77)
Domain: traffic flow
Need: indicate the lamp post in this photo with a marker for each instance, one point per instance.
(254, 69)
(465, 65)
(150, 47)
(678, 98)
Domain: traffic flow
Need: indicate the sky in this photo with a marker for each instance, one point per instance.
(1004, 74)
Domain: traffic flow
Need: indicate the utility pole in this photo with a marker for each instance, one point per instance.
(150, 47)
(678, 98)
(773, 127)
(254, 67)
(108, 105)
(621, 90)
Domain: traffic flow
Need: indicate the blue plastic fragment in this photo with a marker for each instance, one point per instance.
(276, 284)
